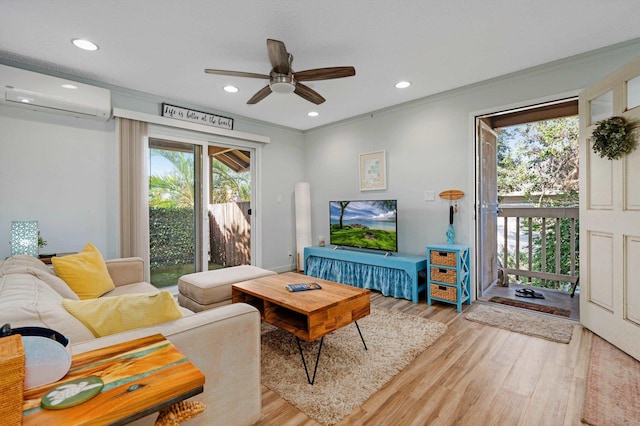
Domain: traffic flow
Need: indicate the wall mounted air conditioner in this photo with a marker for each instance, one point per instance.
(40, 92)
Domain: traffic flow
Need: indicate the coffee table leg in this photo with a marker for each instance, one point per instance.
(306, 370)
(312, 380)
(360, 333)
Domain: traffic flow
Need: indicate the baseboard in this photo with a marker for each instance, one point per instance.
(284, 268)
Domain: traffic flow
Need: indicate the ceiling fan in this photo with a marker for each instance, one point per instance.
(282, 79)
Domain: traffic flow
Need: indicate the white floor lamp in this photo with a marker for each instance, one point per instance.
(303, 220)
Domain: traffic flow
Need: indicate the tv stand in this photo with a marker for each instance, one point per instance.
(393, 275)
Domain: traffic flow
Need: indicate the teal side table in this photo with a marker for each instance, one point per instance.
(448, 274)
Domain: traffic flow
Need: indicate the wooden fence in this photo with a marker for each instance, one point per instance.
(230, 233)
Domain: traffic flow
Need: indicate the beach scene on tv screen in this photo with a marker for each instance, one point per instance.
(364, 224)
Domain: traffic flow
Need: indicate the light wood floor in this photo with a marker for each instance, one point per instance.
(473, 375)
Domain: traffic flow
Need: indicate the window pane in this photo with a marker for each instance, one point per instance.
(633, 93)
(601, 107)
(229, 205)
(171, 212)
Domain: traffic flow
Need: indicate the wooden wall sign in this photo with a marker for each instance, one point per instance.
(194, 116)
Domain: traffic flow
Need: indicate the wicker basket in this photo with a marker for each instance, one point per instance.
(444, 258)
(444, 292)
(12, 362)
(443, 275)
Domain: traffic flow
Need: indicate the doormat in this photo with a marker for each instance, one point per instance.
(529, 323)
(613, 385)
(531, 306)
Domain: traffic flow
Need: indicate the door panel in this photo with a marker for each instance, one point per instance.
(632, 279)
(600, 182)
(610, 219)
(601, 258)
(488, 202)
(173, 200)
(632, 175)
(229, 207)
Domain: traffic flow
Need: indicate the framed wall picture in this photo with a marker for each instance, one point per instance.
(373, 171)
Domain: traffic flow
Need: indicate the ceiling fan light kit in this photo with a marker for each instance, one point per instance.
(282, 83)
(282, 78)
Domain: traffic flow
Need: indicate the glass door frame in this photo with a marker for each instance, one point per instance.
(204, 140)
(194, 150)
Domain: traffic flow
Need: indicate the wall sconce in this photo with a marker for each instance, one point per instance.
(24, 237)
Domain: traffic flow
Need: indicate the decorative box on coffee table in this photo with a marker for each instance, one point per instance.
(448, 274)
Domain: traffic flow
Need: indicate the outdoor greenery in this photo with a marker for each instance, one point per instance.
(175, 189)
(171, 236)
(539, 161)
(171, 212)
(227, 185)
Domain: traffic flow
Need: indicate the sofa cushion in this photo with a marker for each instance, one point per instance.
(27, 301)
(23, 260)
(85, 272)
(110, 315)
(32, 266)
(133, 288)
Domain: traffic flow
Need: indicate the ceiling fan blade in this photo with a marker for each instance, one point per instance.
(308, 93)
(260, 95)
(324, 73)
(236, 73)
(278, 56)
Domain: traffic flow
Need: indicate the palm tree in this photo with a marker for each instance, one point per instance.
(227, 185)
(175, 189)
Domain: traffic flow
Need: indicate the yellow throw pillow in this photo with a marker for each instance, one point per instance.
(85, 272)
(110, 315)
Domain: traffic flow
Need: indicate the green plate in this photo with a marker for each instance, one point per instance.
(72, 393)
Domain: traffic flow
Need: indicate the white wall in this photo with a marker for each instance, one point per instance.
(430, 146)
(282, 168)
(62, 172)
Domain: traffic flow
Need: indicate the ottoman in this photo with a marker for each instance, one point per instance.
(209, 289)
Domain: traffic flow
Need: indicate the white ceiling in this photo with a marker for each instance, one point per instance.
(163, 46)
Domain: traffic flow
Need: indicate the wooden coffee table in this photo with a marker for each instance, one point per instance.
(308, 315)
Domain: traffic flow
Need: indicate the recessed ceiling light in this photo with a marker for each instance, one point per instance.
(69, 86)
(230, 89)
(403, 84)
(313, 113)
(84, 44)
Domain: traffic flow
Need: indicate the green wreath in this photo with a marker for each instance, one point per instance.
(613, 138)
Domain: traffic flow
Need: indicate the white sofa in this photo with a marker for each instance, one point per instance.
(224, 343)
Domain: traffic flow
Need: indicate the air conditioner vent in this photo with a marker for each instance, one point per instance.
(27, 89)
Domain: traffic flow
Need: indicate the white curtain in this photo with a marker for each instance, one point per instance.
(134, 190)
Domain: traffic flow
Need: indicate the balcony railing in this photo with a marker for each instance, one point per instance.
(535, 233)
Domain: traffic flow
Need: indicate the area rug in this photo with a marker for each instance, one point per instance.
(531, 306)
(347, 374)
(556, 330)
(613, 386)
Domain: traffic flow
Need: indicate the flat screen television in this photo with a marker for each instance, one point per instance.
(369, 224)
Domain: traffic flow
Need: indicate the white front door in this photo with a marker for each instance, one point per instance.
(610, 216)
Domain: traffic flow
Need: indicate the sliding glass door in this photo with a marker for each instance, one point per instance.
(174, 200)
(199, 207)
(229, 210)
